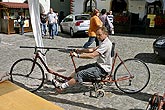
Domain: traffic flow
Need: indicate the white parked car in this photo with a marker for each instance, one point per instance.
(75, 23)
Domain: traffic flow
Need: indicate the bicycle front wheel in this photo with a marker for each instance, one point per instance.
(24, 76)
(132, 75)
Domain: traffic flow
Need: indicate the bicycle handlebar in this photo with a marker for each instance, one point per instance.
(39, 47)
(47, 49)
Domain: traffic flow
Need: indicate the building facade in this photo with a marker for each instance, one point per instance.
(61, 6)
(145, 15)
(45, 4)
(11, 9)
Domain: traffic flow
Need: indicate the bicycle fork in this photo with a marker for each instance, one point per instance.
(33, 65)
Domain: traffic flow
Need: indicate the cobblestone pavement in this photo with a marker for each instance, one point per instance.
(128, 46)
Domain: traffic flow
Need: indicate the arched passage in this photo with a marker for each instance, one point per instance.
(118, 6)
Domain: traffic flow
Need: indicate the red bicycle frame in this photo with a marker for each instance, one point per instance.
(47, 68)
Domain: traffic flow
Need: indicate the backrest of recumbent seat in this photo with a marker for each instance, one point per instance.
(113, 49)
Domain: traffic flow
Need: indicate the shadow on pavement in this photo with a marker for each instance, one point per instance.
(78, 104)
(137, 35)
(66, 35)
(50, 95)
(139, 96)
(29, 35)
(149, 58)
(78, 88)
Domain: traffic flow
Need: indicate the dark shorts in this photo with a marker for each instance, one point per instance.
(89, 72)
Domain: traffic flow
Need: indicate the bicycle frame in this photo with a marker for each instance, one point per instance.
(118, 73)
(107, 79)
(110, 79)
(37, 56)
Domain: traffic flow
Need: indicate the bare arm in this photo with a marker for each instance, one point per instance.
(89, 53)
(88, 50)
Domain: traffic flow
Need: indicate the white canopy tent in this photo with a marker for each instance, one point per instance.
(34, 9)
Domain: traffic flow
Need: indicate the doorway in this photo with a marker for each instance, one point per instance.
(118, 6)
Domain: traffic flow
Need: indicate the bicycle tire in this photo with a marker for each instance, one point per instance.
(140, 72)
(19, 74)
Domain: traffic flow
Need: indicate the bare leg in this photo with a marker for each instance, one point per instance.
(72, 82)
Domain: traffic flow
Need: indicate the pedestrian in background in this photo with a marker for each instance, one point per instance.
(51, 23)
(103, 16)
(61, 16)
(56, 24)
(43, 18)
(95, 23)
(110, 25)
(21, 21)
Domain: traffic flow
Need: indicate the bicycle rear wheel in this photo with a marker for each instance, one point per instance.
(140, 72)
(22, 75)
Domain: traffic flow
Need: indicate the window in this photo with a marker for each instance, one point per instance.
(82, 17)
(68, 19)
(89, 5)
(154, 8)
(61, 0)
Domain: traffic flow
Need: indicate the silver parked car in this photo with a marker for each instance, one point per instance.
(75, 23)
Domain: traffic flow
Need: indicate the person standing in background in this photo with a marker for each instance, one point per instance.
(51, 23)
(61, 16)
(21, 21)
(95, 23)
(56, 23)
(43, 18)
(103, 16)
(110, 25)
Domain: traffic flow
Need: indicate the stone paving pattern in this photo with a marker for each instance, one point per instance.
(128, 46)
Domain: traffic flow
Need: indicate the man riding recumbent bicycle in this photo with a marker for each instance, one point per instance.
(100, 73)
(130, 76)
(94, 71)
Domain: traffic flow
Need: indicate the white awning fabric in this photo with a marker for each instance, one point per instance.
(34, 10)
